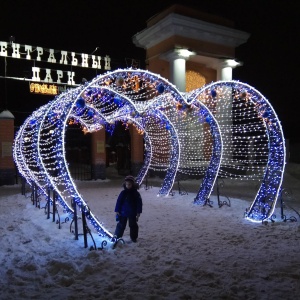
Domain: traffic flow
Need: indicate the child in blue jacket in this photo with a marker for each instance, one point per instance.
(128, 207)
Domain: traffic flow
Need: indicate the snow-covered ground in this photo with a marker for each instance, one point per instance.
(184, 251)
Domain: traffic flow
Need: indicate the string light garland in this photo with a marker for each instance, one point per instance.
(225, 128)
(253, 141)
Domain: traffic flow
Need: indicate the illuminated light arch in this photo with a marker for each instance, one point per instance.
(103, 101)
(151, 96)
(174, 154)
(256, 120)
(129, 108)
(189, 111)
(38, 167)
(51, 130)
(94, 105)
(51, 135)
(51, 150)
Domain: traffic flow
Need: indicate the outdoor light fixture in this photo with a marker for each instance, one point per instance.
(185, 52)
(232, 63)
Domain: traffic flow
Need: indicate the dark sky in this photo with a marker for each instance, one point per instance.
(270, 57)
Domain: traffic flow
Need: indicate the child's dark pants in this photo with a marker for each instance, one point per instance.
(134, 228)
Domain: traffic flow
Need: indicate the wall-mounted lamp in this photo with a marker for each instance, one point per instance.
(185, 52)
(233, 63)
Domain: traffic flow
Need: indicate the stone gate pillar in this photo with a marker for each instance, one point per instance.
(7, 165)
(137, 151)
(98, 151)
(177, 61)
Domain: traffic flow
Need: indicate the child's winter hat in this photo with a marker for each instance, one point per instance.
(129, 178)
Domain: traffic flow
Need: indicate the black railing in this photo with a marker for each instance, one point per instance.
(80, 171)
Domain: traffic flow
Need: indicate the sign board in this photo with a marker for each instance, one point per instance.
(47, 78)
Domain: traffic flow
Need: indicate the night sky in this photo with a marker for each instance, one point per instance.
(270, 57)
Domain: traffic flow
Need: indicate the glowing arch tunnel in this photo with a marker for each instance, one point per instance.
(253, 140)
(193, 138)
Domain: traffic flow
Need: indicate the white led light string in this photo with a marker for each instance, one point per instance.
(49, 148)
(19, 157)
(218, 98)
(29, 142)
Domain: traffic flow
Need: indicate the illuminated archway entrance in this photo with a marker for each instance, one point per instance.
(169, 120)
